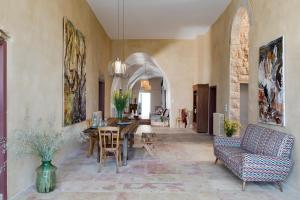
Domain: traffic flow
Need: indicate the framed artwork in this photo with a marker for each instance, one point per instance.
(74, 75)
(271, 85)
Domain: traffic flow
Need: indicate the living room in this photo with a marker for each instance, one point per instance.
(188, 43)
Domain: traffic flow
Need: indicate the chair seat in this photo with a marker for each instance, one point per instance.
(229, 151)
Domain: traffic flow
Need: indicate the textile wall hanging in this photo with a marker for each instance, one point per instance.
(74, 74)
(271, 83)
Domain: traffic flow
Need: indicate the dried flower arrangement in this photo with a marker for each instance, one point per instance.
(42, 144)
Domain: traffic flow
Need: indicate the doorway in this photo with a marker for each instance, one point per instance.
(212, 107)
(145, 104)
(3, 156)
(101, 99)
(244, 106)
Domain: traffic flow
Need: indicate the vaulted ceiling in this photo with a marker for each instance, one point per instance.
(158, 19)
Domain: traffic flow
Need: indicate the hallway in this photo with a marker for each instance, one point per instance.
(183, 168)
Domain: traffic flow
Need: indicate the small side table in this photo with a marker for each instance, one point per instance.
(149, 142)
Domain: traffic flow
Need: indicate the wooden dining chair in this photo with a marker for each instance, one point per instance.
(109, 142)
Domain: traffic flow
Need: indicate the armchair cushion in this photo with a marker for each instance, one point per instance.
(232, 157)
(227, 152)
(265, 168)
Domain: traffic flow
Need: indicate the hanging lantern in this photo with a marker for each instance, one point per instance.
(145, 85)
(118, 68)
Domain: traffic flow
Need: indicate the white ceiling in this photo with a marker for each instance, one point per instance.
(158, 19)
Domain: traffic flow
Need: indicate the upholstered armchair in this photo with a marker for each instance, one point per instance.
(261, 154)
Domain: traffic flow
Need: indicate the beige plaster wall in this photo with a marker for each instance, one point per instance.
(35, 67)
(204, 62)
(268, 21)
(178, 60)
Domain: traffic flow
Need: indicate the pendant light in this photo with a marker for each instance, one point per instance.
(145, 84)
(118, 67)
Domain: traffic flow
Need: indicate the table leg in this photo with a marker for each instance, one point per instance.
(91, 147)
(98, 151)
(131, 141)
(125, 149)
(90, 151)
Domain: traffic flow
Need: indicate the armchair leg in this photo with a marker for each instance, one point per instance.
(244, 186)
(216, 160)
(280, 186)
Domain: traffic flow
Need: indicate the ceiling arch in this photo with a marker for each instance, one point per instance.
(136, 71)
(141, 66)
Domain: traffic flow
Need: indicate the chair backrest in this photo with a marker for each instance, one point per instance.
(183, 114)
(109, 137)
(266, 141)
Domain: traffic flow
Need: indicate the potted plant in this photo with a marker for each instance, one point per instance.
(230, 127)
(120, 100)
(43, 144)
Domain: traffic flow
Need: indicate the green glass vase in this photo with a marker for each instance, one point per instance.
(46, 177)
(120, 114)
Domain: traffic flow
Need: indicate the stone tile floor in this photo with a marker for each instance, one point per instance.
(183, 168)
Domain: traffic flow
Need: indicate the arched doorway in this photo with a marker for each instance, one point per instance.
(135, 66)
(239, 67)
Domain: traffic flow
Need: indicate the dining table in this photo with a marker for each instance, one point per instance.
(127, 127)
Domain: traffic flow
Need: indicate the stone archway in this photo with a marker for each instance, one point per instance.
(239, 63)
(135, 71)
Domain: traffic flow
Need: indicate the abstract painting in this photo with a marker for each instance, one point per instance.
(74, 74)
(271, 83)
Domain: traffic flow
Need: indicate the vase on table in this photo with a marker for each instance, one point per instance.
(46, 177)
(120, 115)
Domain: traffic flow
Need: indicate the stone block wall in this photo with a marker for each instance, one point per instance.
(239, 64)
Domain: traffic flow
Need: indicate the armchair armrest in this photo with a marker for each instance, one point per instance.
(265, 168)
(227, 141)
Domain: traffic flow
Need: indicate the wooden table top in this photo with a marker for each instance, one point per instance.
(124, 129)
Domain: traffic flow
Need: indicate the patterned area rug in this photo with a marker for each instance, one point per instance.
(182, 168)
